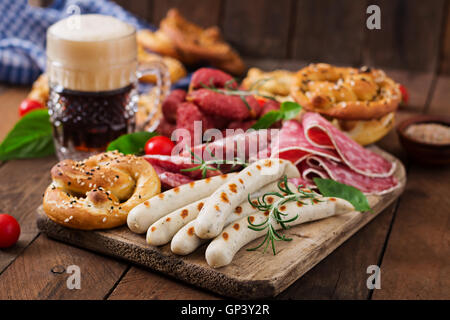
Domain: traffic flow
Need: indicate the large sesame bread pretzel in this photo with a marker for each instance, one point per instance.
(98, 193)
(346, 93)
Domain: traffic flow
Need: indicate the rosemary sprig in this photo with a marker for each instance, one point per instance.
(212, 165)
(285, 195)
(236, 92)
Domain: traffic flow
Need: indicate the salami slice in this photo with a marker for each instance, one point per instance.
(343, 174)
(169, 179)
(294, 146)
(322, 134)
(176, 164)
(308, 172)
(245, 145)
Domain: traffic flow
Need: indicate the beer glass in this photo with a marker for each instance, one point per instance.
(93, 77)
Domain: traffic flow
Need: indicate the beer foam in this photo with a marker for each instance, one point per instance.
(91, 53)
(90, 27)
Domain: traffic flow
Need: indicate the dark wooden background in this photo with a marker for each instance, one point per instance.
(414, 35)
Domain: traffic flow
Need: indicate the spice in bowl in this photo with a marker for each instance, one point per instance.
(432, 133)
(426, 138)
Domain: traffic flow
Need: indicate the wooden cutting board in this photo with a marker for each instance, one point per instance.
(251, 274)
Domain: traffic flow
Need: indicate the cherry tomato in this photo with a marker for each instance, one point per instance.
(9, 230)
(405, 94)
(27, 105)
(159, 145)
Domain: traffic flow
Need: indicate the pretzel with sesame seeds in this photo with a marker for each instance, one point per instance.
(98, 193)
(346, 93)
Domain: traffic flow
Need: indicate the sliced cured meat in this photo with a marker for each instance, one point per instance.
(308, 172)
(361, 160)
(294, 146)
(212, 78)
(171, 180)
(170, 105)
(343, 174)
(176, 164)
(244, 145)
(228, 106)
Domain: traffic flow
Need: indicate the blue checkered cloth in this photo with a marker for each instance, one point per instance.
(23, 33)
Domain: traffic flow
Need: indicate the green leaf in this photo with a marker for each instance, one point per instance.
(132, 143)
(31, 137)
(268, 119)
(288, 110)
(331, 188)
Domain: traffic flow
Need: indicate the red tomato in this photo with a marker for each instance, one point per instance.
(27, 105)
(9, 230)
(405, 94)
(159, 145)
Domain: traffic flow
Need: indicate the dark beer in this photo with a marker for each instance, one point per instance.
(88, 121)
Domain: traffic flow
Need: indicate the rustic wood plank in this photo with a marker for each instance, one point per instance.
(329, 31)
(409, 37)
(445, 42)
(40, 273)
(342, 275)
(23, 182)
(139, 283)
(202, 12)
(257, 28)
(141, 9)
(250, 275)
(416, 264)
(441, 97)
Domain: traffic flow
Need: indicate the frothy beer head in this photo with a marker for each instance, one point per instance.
(91, 53)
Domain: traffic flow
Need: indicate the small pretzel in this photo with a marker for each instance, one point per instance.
(98, 193)
(345, 93)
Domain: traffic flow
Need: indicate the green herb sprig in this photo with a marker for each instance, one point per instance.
(212, 165)
(288, 110)
(286, 195)
(229, 91)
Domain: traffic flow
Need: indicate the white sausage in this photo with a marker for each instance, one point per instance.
(221, 250)
(214, 213)
(163, 230)
(141, 217)
(185, 241)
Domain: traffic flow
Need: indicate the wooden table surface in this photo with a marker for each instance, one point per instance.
(410, 240)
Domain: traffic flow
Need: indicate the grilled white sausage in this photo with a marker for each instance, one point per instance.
(214, 213)
(185, 241)
(221, 250)
(145, 214)
(163, 230)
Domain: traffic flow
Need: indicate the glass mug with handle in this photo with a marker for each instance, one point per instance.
(93, 77)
